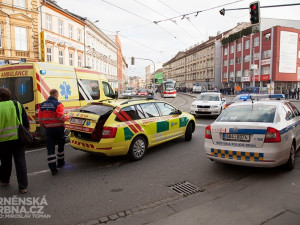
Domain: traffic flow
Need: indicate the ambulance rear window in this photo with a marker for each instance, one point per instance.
(21, 88)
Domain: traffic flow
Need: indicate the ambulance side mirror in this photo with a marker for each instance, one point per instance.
(179, 112)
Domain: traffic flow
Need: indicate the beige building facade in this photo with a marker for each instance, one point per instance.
(18, 31)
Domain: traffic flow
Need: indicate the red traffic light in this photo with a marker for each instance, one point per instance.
(253, 7)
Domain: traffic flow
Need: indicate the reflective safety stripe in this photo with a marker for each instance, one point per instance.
(60, 153)
(51, 156)
(53, 124)
(8, 135)
(8, 128)
(159, 137)
(52, 161)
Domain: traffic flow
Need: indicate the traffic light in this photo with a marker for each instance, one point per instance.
(254, 12)
(132, 60)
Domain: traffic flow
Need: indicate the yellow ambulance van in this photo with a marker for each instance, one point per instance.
(30, 84)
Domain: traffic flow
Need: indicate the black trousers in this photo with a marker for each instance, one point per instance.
(53, 135)
(16, 149)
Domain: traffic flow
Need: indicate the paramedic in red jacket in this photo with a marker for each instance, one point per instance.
(51, 117)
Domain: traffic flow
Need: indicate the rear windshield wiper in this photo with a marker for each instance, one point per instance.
(86, 111)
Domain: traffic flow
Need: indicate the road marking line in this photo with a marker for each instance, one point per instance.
(40, 149)
(39, 172)
(201, 125)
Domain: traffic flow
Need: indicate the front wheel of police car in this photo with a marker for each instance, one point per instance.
(137, 148)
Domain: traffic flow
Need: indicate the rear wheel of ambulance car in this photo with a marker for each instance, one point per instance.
(137, 148)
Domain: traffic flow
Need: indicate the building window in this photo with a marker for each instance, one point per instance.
(21, 38)
(48, 22)
(247, 58)
(256, 56)
(61, 57)
(231, 62)
(49, 54)
(246, 73)
(79, 60)
(266, 70)
(247, 44)
(266, 54)
(256, 41)
(238, 60)
(225, 75)
(78, 35)
(225, 51)
(71, 59)
(268, 36)
(238, 73)
(20, 3)
(60, 27)
(70, 31)
(231, 49)
(0, 36)
(239, 47)
(225, 63)
(231, 74)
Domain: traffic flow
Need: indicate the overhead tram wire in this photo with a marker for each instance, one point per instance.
(197, 12)
(144, 19)
(180, 14)
(166, 18)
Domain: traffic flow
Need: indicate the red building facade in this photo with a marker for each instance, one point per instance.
(271, 56)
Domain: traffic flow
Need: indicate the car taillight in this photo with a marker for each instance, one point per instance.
(272, 135)
(37, 109)
(208, 132)
(109, 132)
(226, 106)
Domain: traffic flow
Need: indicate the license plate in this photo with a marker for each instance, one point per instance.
(236, 137)
(77, 121)
(202, 110)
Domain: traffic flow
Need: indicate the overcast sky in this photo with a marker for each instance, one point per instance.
(173, 32)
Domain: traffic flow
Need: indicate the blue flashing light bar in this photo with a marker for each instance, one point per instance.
(42, 72)
(277, 96)
(245, 97)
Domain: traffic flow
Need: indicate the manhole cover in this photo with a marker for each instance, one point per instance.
(185, 188)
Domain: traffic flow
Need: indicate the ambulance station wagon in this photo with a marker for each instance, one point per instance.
(127, 127)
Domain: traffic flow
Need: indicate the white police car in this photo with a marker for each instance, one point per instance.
(208, 103)
(264, 133)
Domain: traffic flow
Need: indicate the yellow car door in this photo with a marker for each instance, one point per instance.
(174, 121)
(150, 120)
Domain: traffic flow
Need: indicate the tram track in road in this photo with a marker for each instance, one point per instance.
(181, 101)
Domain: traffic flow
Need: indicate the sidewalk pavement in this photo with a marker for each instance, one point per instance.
(269, 197)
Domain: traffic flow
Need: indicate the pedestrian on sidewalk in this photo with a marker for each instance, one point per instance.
(298, 92)
(52, 118)
(10, 144)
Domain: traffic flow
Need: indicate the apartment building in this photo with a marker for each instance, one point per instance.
(18, 31)
(268, 58)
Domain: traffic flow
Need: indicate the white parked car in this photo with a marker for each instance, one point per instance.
(208, 103)
(261, 134)
(128, 93)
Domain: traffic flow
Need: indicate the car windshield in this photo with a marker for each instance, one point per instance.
(128, 91)
(248, 113)
(208, 98)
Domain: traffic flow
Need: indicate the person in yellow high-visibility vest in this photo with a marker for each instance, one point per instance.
(10, 145)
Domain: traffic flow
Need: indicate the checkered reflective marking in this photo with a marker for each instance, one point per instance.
(237, 155)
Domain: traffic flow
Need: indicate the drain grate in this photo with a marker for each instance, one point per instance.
(185, 188)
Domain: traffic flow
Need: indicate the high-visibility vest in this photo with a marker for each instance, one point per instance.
(9, 122)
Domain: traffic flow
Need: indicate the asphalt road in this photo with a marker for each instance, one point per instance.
(91, 187)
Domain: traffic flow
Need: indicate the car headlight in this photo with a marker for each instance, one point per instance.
(194, 105)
